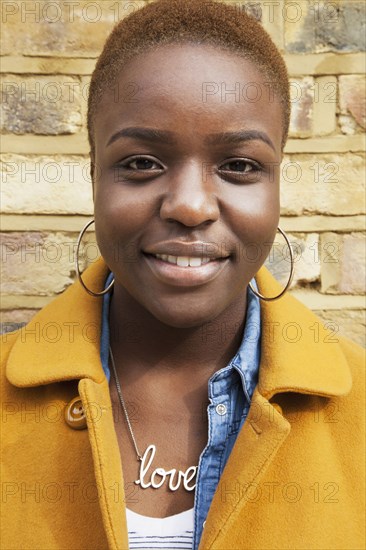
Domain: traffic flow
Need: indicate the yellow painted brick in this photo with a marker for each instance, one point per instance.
(325, 63)
(15, 318)
(40, 104)
(323, 26)
(42, 263)
(302, 100)
(295, 15)
(72, 223)
(46, 185)
(297, 64)
(352, 98)
(330, 247)
(325, 105)
(67, 29)
(349, 323)
(343, 263)
(330, 184)
(313, 106)
(306, 259)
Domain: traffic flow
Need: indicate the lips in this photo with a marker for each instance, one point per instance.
(180, 263)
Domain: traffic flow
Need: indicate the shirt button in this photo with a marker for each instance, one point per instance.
(75, 414)
(221, 409)
(203, 524)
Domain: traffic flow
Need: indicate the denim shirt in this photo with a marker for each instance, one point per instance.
(229, 391)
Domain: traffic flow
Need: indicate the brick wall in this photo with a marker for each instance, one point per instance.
(48, 52)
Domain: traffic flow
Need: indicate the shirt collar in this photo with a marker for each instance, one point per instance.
(245, 361)
(247, 358)
(105, 333)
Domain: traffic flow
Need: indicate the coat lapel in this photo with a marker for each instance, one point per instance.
(263, 433)
(297, 355)
(62, 342)
(107, 463)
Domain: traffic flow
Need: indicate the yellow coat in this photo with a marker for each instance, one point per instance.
(294, 479)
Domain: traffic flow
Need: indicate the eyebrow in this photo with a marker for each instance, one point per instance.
(241, 135)
(145, 134)
(165, 136)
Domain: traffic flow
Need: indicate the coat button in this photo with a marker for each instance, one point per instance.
(75, 414)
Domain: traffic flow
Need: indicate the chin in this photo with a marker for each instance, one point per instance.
(184, 317)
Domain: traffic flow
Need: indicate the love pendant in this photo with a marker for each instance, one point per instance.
(159, 475)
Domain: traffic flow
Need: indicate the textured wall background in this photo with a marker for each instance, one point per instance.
(48, 51)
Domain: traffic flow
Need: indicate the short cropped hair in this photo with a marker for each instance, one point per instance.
(188, 21)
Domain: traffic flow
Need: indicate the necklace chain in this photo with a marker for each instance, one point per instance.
(176, 477)
(119, 391)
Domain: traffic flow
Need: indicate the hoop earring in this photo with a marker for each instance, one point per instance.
(78, 272)
(290, 277)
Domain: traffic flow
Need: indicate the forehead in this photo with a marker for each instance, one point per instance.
(198, 87)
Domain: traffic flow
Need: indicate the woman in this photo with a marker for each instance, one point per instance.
(172, 412)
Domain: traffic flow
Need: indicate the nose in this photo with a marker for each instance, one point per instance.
(191, 196)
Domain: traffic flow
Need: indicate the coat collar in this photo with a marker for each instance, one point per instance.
(62, 341)
(297, 353)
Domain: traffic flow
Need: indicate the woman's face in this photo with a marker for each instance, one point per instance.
(187, 154)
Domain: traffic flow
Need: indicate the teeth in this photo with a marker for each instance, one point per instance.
(195, 262)
(183, 261)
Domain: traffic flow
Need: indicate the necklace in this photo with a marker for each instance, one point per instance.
(159, 476)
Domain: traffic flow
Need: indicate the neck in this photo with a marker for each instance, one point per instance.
(143, 344)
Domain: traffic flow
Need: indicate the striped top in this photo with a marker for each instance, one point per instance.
(172, 532)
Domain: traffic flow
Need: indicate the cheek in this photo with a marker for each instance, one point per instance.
(255, 215)
(120, 219)
(256, 240)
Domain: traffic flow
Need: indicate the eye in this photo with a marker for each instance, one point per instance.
(140, 163)
(241, 166)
